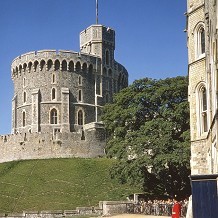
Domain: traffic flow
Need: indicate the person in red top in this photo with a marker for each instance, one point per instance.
(176, 209)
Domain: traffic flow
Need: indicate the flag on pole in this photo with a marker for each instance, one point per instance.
(96, 11)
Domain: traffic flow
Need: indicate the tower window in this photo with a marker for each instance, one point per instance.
(24, 82)
(30, 66)
(78, 66)
(204, 110)
(53, 78)
(202, 117)
(80, 117)
(57, 65)
(24, 118)
(24, 67)
(64, 65)
(49, 64)
(200, 41)
(42, 64)
(80, 80)
(107, 57)
(36, 63)
(80, 95)
(90, 69)
(84, 68)
(53, 94)
(24, 97)
(53, 116)
(71, 66)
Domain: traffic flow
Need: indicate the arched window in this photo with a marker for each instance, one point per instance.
(24, 67)
(90, 69)
(36, 63)
(24, 118)
(30, 66)
(71, 66)
(20, 68)
(203, 109)
(24, 97)
(42, 64)
(49, 64)
(57, 65)
(80, 117)
(78, 66)
(200, 41)
(53, 94)
(84, 68)
(53, 116)
(64, 65)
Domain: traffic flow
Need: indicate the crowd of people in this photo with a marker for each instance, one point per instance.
(160, 207)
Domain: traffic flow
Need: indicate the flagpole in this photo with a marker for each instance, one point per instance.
(96, 11)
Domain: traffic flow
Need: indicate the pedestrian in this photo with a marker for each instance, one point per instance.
(176, 210)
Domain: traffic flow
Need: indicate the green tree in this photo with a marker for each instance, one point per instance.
(148, 132)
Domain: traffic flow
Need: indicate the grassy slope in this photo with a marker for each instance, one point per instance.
(57, 184)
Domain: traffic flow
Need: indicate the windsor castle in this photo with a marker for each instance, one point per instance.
(58, 98)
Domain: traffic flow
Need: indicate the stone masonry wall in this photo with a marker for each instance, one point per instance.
(87, 143)
(197, 77)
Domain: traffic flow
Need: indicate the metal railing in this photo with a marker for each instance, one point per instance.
(156, 208)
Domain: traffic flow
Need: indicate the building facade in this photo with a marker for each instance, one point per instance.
(58, 97)
(202, 71)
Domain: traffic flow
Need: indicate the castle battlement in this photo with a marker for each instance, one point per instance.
(53, 60)
(61, 60)
(87, 143)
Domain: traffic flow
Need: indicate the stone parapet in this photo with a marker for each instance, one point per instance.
(22, 146)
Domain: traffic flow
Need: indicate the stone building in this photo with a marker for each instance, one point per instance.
(58, 97)
(202, 70)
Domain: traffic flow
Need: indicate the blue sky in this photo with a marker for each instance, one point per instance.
(150, 41)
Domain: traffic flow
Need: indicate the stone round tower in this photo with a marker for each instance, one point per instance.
(64, 91)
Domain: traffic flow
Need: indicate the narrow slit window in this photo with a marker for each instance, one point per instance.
(53, 95)
(80, 95)
(24, 97)
(80, 117)
(24, 118)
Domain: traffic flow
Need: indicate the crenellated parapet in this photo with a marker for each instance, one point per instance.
(87, 143)
(53, 60)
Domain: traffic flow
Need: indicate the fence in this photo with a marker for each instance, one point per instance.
(156, 208)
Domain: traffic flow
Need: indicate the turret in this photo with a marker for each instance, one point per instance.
(99, 40)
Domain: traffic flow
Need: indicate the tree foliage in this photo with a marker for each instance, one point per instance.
(148, 132)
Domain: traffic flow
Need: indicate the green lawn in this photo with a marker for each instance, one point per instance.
(58, 184)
